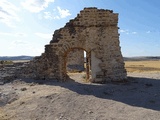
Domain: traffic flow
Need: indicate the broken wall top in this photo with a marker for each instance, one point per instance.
(94, 17)
(88, 17)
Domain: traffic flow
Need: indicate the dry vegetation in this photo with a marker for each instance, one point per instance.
(142, 66)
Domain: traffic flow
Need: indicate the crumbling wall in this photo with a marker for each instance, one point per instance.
(93, 30)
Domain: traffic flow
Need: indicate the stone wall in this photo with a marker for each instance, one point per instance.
(93, 30)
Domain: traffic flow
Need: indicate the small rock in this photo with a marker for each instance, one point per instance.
(155, 95)
(12, 100)
(32, 84)
(148, 85)
(90, 112)
(61, 116)
(152, 101)
(23, 89)
(1, 83)
(22, 103)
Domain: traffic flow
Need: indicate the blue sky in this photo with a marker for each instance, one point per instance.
(27, 25)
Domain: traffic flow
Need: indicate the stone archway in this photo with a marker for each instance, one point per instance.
(95, 31)
(87, 68)
(63, 55)
(75, 61)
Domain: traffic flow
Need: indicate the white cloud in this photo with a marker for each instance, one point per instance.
(21, 34)
(148, 32)
(44, 35)
(13, 34)
(36, 6)
(123, 31)
(57, 13)
(127, 32)
(134, 32)
(47, 15)
(16, 48)
(63, 12)
(56, 17)
(18, 43)
(8, 13)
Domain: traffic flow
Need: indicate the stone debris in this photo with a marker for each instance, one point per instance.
(11, 72)
(23, 89)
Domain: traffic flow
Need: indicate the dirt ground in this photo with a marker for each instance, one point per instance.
(136, 99)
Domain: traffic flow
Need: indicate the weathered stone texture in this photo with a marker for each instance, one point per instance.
(93, 30)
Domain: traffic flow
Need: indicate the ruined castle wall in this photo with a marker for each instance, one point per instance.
(95, 31)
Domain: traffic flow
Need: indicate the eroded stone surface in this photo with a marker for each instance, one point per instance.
(93, 30)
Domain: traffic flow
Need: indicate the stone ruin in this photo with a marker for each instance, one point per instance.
(94, 31)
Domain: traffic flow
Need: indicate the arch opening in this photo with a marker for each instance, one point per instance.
(78, 64)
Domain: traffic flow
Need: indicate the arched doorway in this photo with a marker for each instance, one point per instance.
(78, 61)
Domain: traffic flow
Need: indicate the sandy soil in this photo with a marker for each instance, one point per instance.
(137, 99)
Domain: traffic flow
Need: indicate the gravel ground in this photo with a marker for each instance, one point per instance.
(137, 99)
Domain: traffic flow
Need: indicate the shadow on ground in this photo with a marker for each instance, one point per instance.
(138, 92)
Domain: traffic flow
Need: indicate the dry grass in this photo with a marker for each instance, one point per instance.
(142, 66)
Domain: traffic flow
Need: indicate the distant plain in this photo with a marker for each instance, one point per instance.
(150, 66)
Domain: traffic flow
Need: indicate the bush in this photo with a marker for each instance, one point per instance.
(6, 62)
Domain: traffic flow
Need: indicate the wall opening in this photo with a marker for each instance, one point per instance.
(78, 64)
